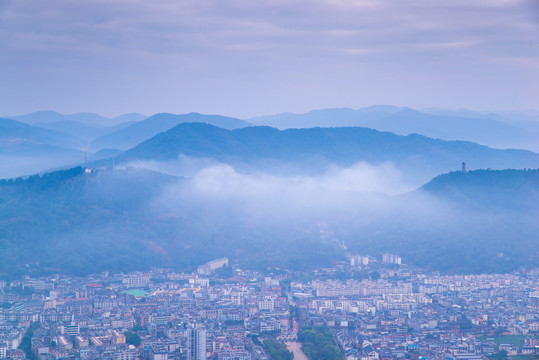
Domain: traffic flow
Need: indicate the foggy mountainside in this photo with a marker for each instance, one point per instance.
(418, 157)
(77, 222)
(509, 131)
(26, 149)
(54, 140)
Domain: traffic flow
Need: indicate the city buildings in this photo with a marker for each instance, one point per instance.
(398, 313)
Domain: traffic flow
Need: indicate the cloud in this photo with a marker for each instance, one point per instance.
(193, 26)
(169, 55)
(225, 192)
(224, 181)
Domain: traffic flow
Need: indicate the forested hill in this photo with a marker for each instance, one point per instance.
(72, 221)
(76, 222)
(344, 145)
(515, 190)
(467, 222)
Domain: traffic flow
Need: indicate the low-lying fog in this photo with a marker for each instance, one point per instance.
(261, 217)
(362, 193)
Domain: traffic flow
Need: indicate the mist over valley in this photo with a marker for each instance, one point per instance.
(180, 190)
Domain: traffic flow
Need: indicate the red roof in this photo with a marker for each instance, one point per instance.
(94, 285)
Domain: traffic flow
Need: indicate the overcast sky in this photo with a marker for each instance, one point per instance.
(253, 57)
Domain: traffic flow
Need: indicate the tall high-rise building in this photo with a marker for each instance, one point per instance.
(391, 259)
(196, 344)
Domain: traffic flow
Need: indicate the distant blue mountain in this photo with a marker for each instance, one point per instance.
(89, 119)
(481, 130)
(82, 131)
(129, 117)
(27, 149)
(143, 130)
(487, 129)
(414, 154)
(12, 131)
(337, 117)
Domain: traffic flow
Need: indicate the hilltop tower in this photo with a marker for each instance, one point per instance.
(463, 167)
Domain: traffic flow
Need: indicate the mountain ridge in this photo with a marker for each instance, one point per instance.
(323, 146)
(488, 129)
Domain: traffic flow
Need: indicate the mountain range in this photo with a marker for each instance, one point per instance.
(417, 156)
(88, 133)
(47, 140)
(487, 129)
(14, 132)
(82, 131)
(27, 149)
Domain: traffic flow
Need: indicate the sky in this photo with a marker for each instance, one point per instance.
(246, 58)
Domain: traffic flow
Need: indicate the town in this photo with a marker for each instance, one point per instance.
(366, 308)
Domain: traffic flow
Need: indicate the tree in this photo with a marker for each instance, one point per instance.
(375, 275)
(132, 338)
(500, 355)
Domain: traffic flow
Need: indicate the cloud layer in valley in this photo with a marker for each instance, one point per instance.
(222, 190)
